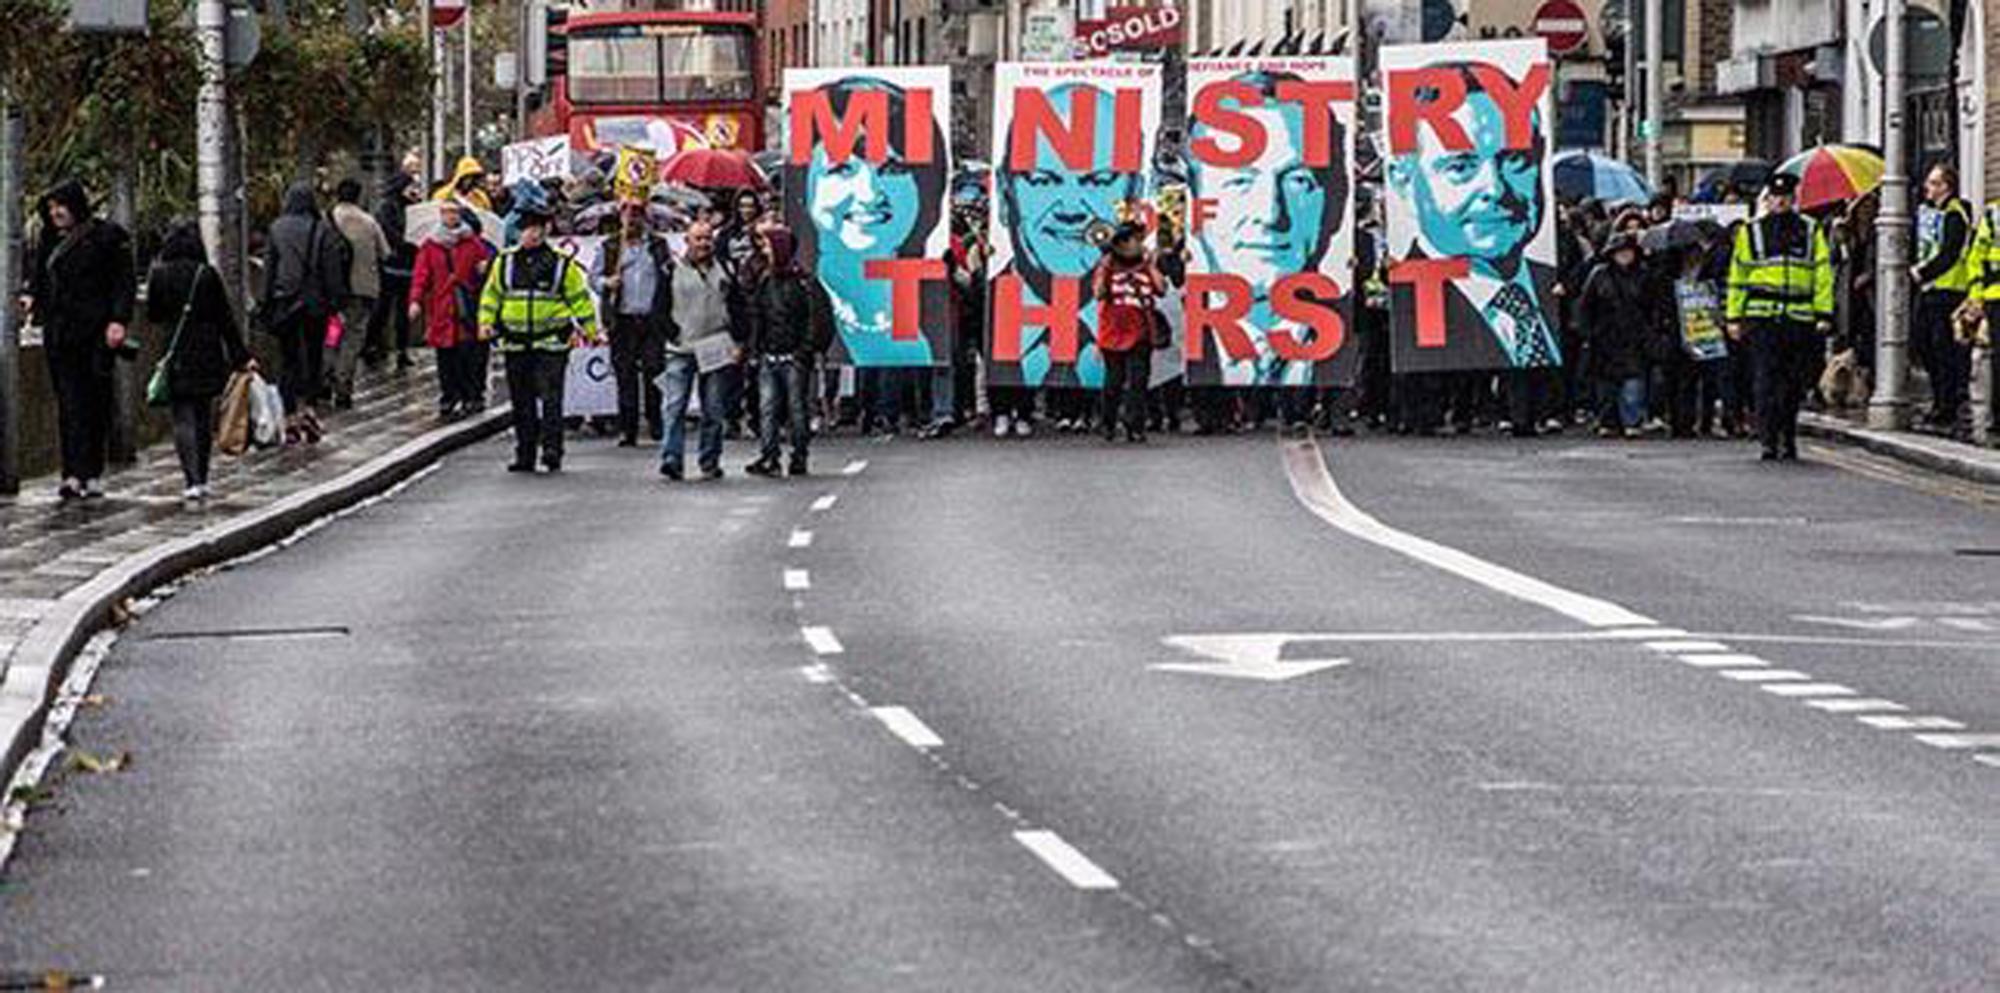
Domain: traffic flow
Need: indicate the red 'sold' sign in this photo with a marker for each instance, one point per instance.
(1128, 29)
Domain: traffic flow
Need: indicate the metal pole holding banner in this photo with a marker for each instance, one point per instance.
(13, 136)
(1888, 409)
(465, 81)
(1656, 92)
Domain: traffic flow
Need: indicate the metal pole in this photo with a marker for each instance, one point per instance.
(440, 100)
(211, 19)
(465, 72)
(521, 70)
(12, 139)
(1888, 409)
(1627, 115)
(1656, 91)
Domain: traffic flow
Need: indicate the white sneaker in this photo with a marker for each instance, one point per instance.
(193, 494)
(1001, 424)
(93, 489)
(1024, 428)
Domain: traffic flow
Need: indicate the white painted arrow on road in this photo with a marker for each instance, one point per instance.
(1243, 656)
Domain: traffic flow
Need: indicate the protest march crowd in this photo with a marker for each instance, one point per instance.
(1275, 271)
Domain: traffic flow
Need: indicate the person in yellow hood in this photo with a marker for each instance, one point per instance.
(467, 185)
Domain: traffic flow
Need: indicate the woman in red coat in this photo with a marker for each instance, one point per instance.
(444, 295)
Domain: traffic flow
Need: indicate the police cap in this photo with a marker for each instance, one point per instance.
(1782, 184)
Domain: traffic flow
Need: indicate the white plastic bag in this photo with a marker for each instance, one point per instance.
(267, 413)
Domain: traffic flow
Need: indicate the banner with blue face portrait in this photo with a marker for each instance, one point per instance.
(1073, 154)
(1469, 206)
(1270, 222)
(867, 170)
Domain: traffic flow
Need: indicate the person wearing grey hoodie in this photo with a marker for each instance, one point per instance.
(305, 282)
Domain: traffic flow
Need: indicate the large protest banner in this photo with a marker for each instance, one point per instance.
(1270, 222)
(867, 172)
(1470, 206)
(1073, 144)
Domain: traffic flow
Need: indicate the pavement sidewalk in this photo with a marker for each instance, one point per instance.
(1954, 458)
(65, 567)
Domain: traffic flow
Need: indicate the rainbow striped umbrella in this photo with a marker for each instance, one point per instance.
(1833, 173)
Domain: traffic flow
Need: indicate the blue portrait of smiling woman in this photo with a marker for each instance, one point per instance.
(858, 211)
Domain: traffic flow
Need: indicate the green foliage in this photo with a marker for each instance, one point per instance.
(97, 106)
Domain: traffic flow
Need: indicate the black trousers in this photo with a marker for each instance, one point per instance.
(194, 437)
(637, 358)
(302, 344)
(535, 388)
(1947, 363)
(1993, 363)
(1781, 355)
(1126, 375)
(461, 371)
(389, 326)
(82, 380)
(1533, 395)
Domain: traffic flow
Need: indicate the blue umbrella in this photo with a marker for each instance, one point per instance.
(1588, 174)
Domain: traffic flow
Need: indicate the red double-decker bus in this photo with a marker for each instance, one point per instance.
(674, 74)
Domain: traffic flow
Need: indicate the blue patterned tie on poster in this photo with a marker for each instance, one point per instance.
(867, 170)
(1074, 149)
(1470, 206)
(1270, 222)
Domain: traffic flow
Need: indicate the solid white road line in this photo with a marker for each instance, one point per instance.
(1068, 863)
(1313, 484)
(1641, 634)
(906, 726)
(855, 468)
(800, 539)
(1855, 706)
(825, 503)
(798, 579)
(822, 640)
(1960, 740)
(1808, 689)
(816, 674)
(1899, 722)
(1765, 675)
(1682, 647)
(1989, 758)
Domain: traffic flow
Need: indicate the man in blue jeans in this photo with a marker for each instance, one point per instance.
(791, 326)
(703, 302)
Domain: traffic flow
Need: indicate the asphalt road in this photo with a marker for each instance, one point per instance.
(1605, 716)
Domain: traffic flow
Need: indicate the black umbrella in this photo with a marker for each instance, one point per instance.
(1745, 177)
(1678, 234)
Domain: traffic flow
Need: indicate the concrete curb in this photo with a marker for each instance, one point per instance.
(1952, 458)
(41, 661)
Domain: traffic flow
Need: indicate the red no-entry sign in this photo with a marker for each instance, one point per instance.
(1562, 24)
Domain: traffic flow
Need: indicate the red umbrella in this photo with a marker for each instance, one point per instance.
(713, 168)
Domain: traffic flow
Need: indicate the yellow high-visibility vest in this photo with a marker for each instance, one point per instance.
(1766, 281)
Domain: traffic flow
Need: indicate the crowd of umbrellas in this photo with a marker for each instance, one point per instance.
(1829, 175)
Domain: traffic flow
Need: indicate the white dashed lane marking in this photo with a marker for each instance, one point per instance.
(1855, 706)
(1722, 661)
(855, 468)
(1068, 863)
(825, 503)
(800, 539)
(1960, 740)
(907, 726)
(822, 640)
(1765, 675)
(1809, 689)
(1683, 647)
(798, 579)
(1899, 722)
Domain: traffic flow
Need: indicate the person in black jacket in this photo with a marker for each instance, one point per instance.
(391, 322)
(791, 325)
(80, 290)
(188, 307)
(305, 282)
(1618, 310)
(632, 277)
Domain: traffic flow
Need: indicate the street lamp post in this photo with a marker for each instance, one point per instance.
(1888, 408)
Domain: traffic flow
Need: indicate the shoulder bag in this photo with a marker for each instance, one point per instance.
(160, 387)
